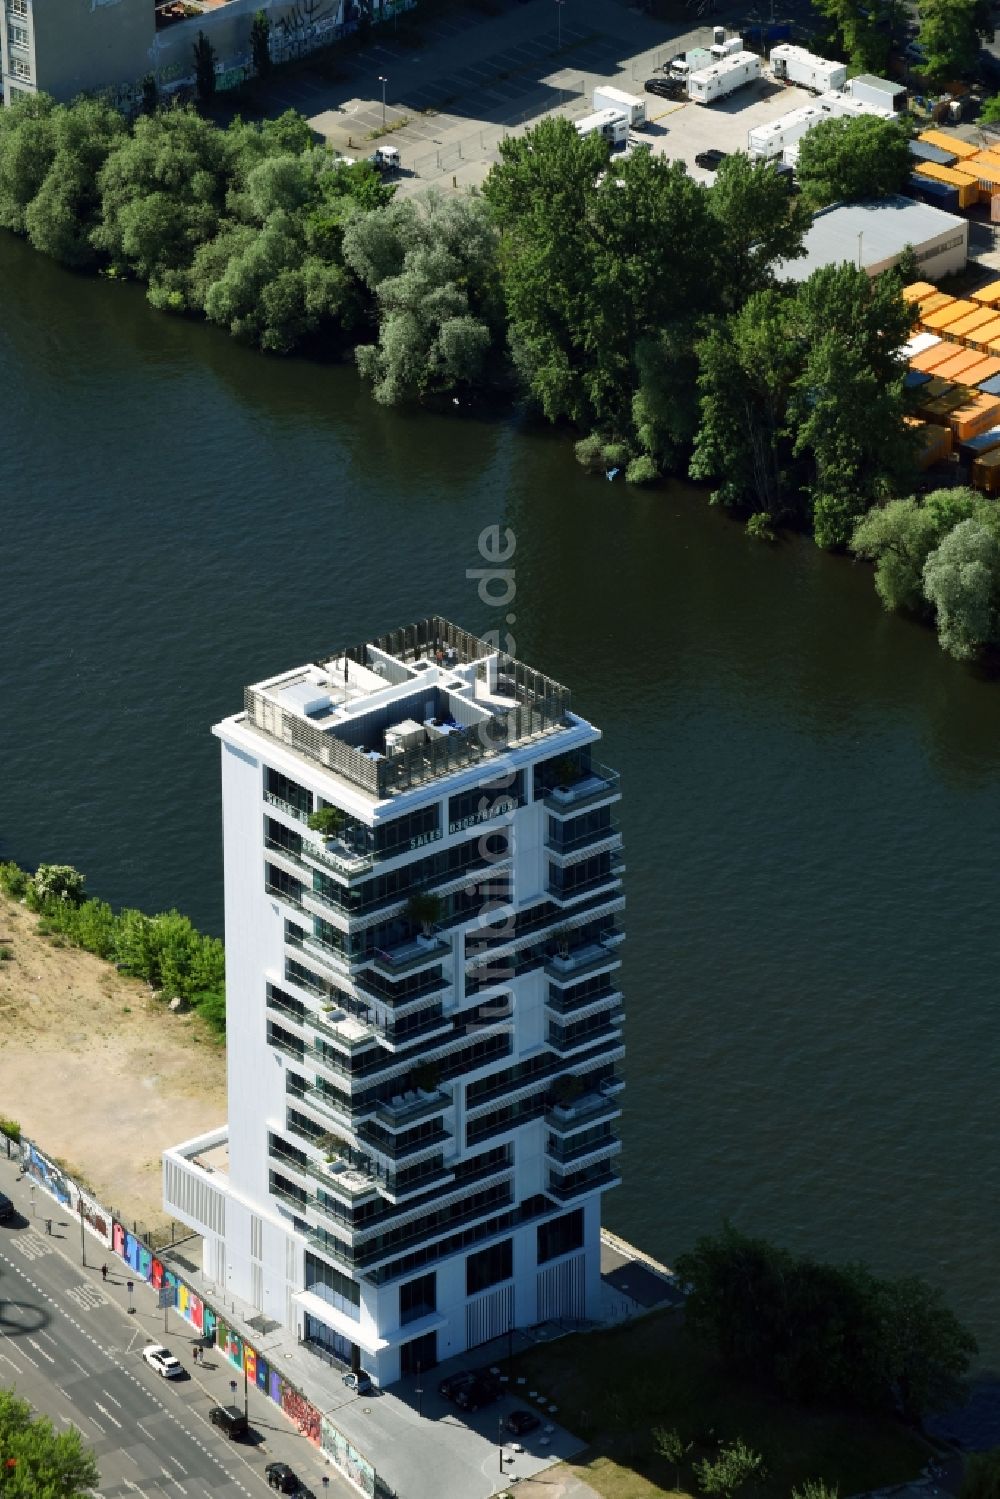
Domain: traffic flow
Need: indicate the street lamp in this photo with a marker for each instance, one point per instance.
(419, 1394)
(383, 81)
(500, 1440)
(559, 6)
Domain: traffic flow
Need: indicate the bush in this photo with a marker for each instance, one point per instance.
(10, 1128)
(760, 528)
(13, 880)
(58, 884)
(641, 470)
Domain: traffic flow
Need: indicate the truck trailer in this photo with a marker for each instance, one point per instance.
(767, 142)
(882, 92)
(796, 65)
(629, 105)
(612, 124)
(839, 105)
(723, 78)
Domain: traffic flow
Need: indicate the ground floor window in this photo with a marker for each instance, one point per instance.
(417, 1298)
(331, 1342)
(560, 1236)
(419, 1355)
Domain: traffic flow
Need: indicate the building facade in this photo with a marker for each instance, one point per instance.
(424, 1017)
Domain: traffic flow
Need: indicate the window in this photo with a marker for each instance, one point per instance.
(332, 1286)
(20, 69)
(17, 35)
(417, 1298)
(18, 8)
(489, 1267)
(410, 832)
(290, 792)
(560, 1236)
(485, 802)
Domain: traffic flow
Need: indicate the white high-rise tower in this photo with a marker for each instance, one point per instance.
(424, 1017)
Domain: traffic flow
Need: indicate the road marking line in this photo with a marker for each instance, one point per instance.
(39, 1349)
(112, 1399)
(113, 1419)
(81, 1367)
(12, 1363)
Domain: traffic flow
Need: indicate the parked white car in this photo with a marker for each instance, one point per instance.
(162, 1360)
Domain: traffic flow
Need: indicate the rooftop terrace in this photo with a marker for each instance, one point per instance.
(407, 707)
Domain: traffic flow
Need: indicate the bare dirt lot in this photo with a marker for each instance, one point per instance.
(97, 1072)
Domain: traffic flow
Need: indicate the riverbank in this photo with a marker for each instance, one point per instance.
(100, 1072)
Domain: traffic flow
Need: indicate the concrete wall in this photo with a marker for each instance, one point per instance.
(87, 44)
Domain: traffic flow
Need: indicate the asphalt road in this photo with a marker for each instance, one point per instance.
(68, 1347)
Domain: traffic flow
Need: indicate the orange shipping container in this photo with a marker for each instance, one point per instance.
(931, 304)
(968, 191)
(946, 142)
(917, 290)
(984, 370)
(979, 416)
(989, 294)
(955, 367)
(942, 317)
(985, 335)
(929, 359)
(973, 320)
(986, 471)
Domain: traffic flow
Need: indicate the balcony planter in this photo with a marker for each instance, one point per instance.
(567, 1089)
(426, 909)
(425, 1079)
(327, 821)
(562, 938)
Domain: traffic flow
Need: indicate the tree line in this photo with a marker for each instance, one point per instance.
(166, 950)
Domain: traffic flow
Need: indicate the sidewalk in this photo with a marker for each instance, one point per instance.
(129, 1331)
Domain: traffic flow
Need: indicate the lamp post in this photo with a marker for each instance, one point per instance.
(83, 1242)
(500, 1440)
(861, 235)
(383, 81)
(246, 1388)
(559, 6)
(419, 1394)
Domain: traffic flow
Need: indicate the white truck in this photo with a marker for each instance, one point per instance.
(795, 65)
(385, 159)
(689, 62)
(630, 105)
(612, 124)
(723, 78)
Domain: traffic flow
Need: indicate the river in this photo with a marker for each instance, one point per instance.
(811, 808)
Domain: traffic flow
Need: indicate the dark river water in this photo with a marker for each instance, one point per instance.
(811, 811)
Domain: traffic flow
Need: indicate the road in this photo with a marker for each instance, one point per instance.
(70, 1348)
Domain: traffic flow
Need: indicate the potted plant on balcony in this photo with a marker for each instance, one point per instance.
(425, 908)
(562, 937)
(566, 1090)
(425, 1079)
(327, 821)
(567, 772)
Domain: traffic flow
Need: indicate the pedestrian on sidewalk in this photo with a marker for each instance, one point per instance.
(104, 1272)
(48, 1226)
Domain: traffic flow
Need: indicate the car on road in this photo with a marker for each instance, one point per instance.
(6, 1207)
(162, 1360)
(521, 1422)
(709, 160)
(281, 1477)
(360, 1382)
(230, 1419)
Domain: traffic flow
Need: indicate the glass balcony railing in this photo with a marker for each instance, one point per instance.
(288, 808)
(577, 1184)
(601, 782)
(339, 857)
(414, 953)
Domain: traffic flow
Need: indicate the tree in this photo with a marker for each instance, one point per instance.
(929, 1350)
(61, 218)
(204, 69)
(863, 156)
(670, 1445)
(27, 148)
(59, 884)
(38, 1462)
(327, 820)
(260, 43)
(900, 536)
(981, 1479)
(859, 31)
(732, 1467)
(815, 1488)
(950, 35)
(425, 909)
(758, 223)
(961, 579)
(990, 112)
(150, 101)
(432, 265)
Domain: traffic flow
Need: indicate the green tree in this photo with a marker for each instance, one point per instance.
(961, 578)
(732, 1467)
(990, 112)
(432, 265)
(260, 43)
(134, 943)
(950, 35)
(150, 101)
(670, 1445)
(857, 31)
(62, 216)
(38, 1462)
(757, 222)
(204, 69)
(27, 148)
(981, 1479)
(852, 158)
(815, 1488)
(929, 1351)
(59, 884)
(900, 536)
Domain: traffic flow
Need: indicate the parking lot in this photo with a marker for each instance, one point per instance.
(471, 80)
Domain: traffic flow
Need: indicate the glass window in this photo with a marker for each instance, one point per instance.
(333, 1286)
(288, 791)
(417, 1298)
(489, 1267)
(485, 802)
(405, 833)
(560, 1236)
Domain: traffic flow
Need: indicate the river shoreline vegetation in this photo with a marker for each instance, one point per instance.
(166, 950)
(617, 298)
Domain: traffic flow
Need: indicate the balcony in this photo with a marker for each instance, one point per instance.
(601, 783)
(276, 893)
(392, 1151)
(289, 809)
(588, 958)
(580, 1006)
(568, 896)
(566, 1187)
(589, 1108)
(333, 957)
(575, 1148)
(290, 1199)
(339, 857)
(407, 1109)
(407, 956)
(564, 1046)
(339, 1176)
(603, 841)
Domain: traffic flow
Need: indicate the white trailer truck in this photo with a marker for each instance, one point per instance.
(795, 65)
(612, 124)
(839, 105)
(766, 142)
(629, 105)
(723, 78)
(882, 92)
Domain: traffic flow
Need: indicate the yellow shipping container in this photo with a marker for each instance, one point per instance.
(967, 189)
(944, 316)
(917, 290)
(946, 142)
(986, 335)
(955, 367)
(968, 324)
(989, 294)
(978, 416)
(986, 471)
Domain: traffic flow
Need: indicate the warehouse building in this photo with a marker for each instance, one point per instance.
(875, 235)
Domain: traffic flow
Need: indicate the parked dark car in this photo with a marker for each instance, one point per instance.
(710, 159)
(281, 1477)
(6, 1207)
(230, 1419)
(359, 1382)
(520, 1422)
(471, 1390)
(666, 88)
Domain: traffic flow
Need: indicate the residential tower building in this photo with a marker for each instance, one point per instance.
(423, 892)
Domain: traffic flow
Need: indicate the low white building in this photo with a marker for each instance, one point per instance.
(876, 234)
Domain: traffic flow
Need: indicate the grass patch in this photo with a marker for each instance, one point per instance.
(613, 1387)
(388, 128)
